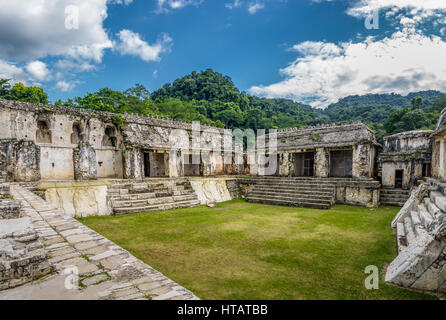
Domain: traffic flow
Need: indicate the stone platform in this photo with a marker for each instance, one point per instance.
(309, 192)
(104, 270)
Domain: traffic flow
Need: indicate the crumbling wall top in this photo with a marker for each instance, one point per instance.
(104, 116)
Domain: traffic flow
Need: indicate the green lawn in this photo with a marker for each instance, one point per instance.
(240, 250)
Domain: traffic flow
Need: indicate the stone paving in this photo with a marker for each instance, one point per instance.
(106, 271)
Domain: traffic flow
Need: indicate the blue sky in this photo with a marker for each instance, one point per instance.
(306, 50)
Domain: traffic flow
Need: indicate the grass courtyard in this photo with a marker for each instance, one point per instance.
(241, 250)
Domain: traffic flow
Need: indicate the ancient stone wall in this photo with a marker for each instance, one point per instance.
(19, 160)
(85, 164)
(406, 151)
(22, 256)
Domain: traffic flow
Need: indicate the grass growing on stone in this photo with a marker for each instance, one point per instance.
(241, 250)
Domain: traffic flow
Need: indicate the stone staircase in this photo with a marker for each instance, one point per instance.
(151, 195)
(421, 239)
(296, 192)
(394, 197)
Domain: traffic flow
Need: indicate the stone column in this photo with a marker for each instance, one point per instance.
(284, 165)
(321, 163)
(175, 164)
(441, 157)
(84, 162)
(133, 164)
(361, 161)
(20, 161)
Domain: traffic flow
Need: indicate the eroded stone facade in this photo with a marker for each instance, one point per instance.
(406, 157)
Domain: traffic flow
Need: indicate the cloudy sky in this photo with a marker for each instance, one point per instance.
(313, 51)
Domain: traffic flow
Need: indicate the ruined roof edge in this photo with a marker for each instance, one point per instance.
(129, 118)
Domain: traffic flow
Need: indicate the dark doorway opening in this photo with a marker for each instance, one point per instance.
(341, 163)
(399, 179)
(277, 173)
(426, 170)
(191, 169)
(147, 164)
(155, 164)
(304, 164)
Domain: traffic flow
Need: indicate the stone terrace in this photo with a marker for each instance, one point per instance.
(106, 271)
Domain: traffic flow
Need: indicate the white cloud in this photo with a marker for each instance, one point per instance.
(124, 2)
(253, 7)
(363, 7)
(325, 72)
(410, 59)
(11, 71)
(72, 65)
(165, 6)
(132, 44)
(155, 74)
(33, 29)
(235, 4)
(72, 40)
(65, 86)
(38, 70)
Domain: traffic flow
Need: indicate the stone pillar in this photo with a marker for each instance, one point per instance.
(133, 164)
(20, 161)
(176, 168)
(284, 164)
(441, 157)
(84, 162)
(321, 163)
(361, 161)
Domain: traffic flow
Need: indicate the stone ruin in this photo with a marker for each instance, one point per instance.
(22, 255)
(96, 163)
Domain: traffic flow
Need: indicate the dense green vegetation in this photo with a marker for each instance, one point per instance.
(19, 92)
(241, 250)
(213, 99)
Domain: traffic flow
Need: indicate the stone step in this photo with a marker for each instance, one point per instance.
(395, 191)
(439, 199)
(309, 179)
(291, 199)
(393, 198)
(313, 195)
(296, 188)
(401, 236)
(158, 207)
(409, 231)
(291, 203)
(416, 222)
(299, 185)
(433, 210)
(312, 182)
(392, 203)
(153, 201)
(146, 196)
(426, 218)
(136, 185)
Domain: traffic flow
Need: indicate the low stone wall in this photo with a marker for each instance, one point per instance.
(79, 199)
(212, 190)
(22, 256)
(358, 193)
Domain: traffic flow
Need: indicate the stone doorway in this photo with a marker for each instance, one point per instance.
(341, 163)
(304, 164)
(399, 174)
(191, 169)
(155, 164)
